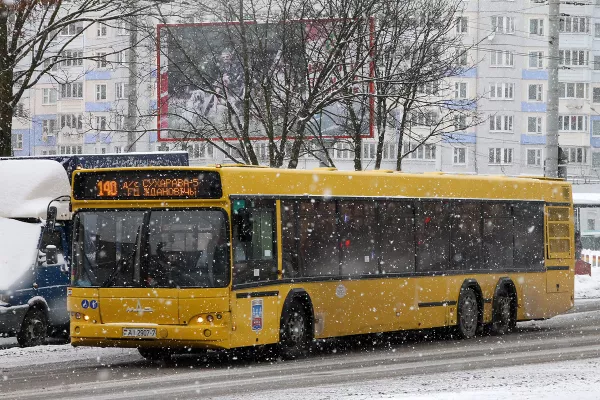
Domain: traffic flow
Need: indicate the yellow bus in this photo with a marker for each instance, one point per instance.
(173, 258)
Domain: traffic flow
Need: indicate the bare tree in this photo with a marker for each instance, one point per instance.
(417, 56)
(33, 38)
(271, 79)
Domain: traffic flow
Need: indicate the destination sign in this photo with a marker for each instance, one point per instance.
(159, 184)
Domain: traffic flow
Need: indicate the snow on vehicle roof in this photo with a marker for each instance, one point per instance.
(18, 249)
(29, 185)
(586, 198)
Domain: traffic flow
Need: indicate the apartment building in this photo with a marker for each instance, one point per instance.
(81, 106)
(505, 68)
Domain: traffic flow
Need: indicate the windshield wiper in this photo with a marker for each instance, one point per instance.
(124, 260)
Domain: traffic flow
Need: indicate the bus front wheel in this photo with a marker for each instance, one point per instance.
(468, 314)
(34, 329)
(294, 334)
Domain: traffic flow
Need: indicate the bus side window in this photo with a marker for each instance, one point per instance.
(528, 222)
(290, 240)
(397, 220)
(254, 241)
(433, 235)
(497, 236)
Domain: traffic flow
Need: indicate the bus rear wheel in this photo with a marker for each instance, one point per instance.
(34, 329)
(152, 354)
(468, 314)
(294, 333)
(503, 320)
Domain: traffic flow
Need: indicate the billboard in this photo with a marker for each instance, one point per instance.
(215, 77)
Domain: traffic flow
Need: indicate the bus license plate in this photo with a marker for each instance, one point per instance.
(139, 332)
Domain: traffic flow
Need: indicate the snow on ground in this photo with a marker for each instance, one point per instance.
(588, 287)
(569, 379)
(560, 380)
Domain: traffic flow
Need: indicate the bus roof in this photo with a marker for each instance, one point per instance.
(237, 180)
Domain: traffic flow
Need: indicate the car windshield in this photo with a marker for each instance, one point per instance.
(175, 248)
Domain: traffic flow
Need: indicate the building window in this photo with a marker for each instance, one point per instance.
(72, 58)
(501, 123)
(100, 123)
(121, 57)
(18, 141)
(462, 56)
(502, 58)
(424, 117)
(596, 160)
(121, 28)
(101, 59)
(462, 25)
(596, 63)
(71, 121)
(536, 26)
(534, 124)
(101, 91)
(535, 92)
(460, 90)
(596, 95)
(595, 128)
(573, 57)
(572, 90)
(460, 122)
(101, 30)
(500, 155)
(572, 24)
(534, 157)
(48, 127)
(19, 110)
(536, 59)
(72, 29)
(369, 151)
(502, 91)
(573, 123)
(71, 90)
(576, 155)
(503, 24)
(429, 88)
(49, 96)
(389, 151)
(459, 156)
(122, 90)
(343, 151)
(419, 151)
(51, 64)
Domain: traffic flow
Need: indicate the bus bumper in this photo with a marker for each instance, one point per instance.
(111, 335)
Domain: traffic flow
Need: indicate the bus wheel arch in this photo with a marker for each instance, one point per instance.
(296, 329)
(504, 307)
(34, 328)
(469, 309)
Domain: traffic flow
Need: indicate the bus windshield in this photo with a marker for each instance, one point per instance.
(153, 248)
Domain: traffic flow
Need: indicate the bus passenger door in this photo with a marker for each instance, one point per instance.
(255, 306)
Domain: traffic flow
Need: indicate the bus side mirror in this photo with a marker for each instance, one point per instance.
(51, 255)
(244, 224)
(51, 218)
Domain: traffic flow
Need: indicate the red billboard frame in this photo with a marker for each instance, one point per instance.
(162, 82)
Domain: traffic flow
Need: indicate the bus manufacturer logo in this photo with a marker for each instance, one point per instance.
(138, 309)
(257, 315)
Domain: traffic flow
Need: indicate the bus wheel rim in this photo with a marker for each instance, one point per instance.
(296, 328)
(468, 315)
